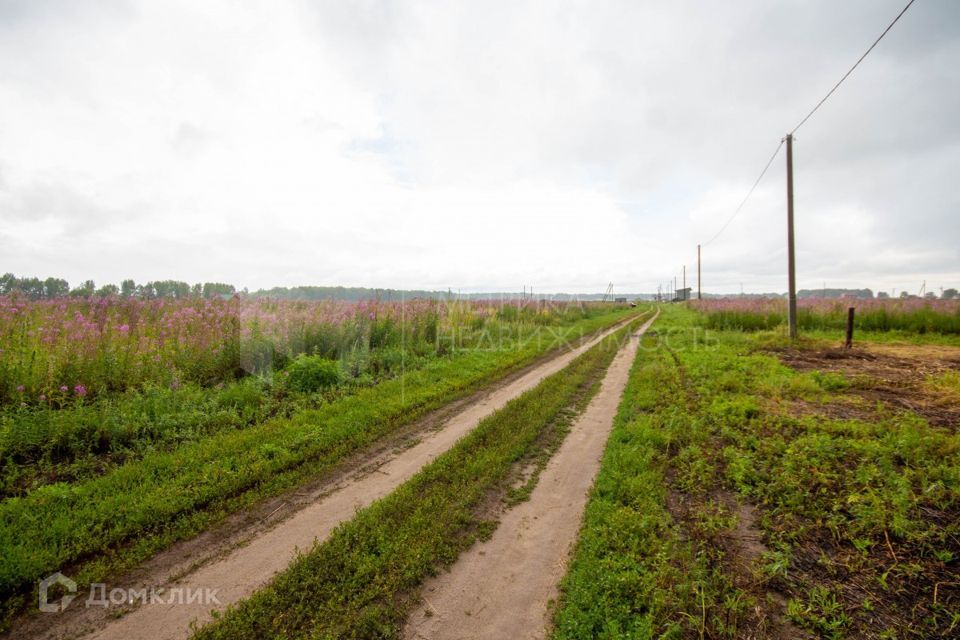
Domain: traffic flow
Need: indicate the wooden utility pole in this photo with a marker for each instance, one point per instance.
(699, 294)
(684, 289)
(791, 258)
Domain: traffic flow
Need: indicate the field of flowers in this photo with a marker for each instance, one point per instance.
(86, 385)
(909, 315)
(64, 350)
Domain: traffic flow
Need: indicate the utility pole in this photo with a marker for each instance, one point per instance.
(684, 289)
(699, 294)
(791, 258)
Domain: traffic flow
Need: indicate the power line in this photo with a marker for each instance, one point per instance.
(857, 63)
(807, 117)
(747, 197)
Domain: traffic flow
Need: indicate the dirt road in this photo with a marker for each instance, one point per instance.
(502, 588)
(240, 572)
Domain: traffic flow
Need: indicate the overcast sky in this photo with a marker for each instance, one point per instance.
(478, 145)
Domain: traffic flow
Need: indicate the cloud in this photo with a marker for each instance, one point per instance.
(476, 146)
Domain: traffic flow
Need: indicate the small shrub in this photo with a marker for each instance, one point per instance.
(245, 397)
(830, 381)
(309, 374)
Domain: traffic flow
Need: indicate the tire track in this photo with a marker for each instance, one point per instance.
(502, 588)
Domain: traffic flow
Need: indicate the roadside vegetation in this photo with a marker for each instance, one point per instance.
(910, 316)
(753, 488)
(98, 476)
(362, 582)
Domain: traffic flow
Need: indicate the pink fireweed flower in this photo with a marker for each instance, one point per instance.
(80, 390)
(20, 388)
(64, 388)
(124, 328)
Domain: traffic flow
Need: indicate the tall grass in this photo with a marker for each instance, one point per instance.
(67, 349)
(93, 384)
(912, 316)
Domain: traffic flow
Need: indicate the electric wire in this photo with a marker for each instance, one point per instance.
(807, 117)
(855, 65)
(747, 197)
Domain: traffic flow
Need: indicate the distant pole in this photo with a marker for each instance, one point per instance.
(684, 289)
(791, 257)
(699, 294)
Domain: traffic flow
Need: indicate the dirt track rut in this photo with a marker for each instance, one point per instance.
(502, 588)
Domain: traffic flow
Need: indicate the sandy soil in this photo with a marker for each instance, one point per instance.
(503, 588)
(249, 563)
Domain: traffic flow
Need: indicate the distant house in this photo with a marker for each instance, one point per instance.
(620, 300)
(682, 294)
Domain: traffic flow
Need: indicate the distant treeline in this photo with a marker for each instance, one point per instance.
(859, 294)
(865, 294)
(38, 288)
(344, 293)
(366, 293)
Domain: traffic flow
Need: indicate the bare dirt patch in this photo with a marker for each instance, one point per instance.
(890, 583)
(889, 376)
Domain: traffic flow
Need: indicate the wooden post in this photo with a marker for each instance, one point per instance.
(791, 258)
(849, 343)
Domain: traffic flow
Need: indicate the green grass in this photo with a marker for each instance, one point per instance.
(105, 524)
(916, 317)
(836, 337)
(859, 516)
(946, 385)
(361, 582)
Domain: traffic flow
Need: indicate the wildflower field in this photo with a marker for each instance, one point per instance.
(54, 351)
(127, 424)
(908, 315)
